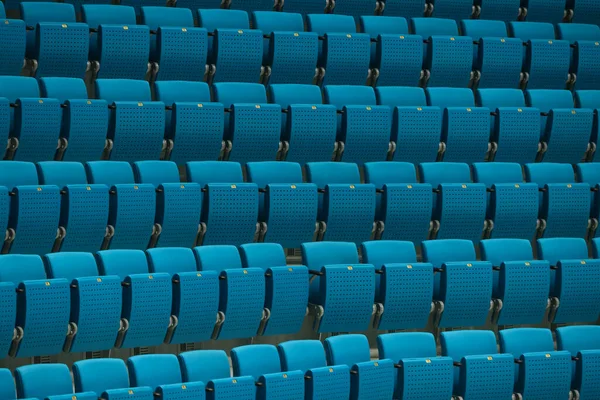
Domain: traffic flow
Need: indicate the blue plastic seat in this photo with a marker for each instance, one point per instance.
(178, 204)
(178, 50)
(416, 128)
(515, 127)
(230, 206)
(404, 286)
(447, 57)
(7, 383)
(95, 303)
(252, 5)
(453, 9)
(589, 99)
(195, 294)
(403, 204)
(465, 129)
(42, 324)
(339, 280)
(356, 8)
(12, 88)
(463, 286)
(480, 371)
(212, 368)
(369, 379)
(132, 206)
(459, 206)
(512, 210)
(290, 54)
(582, 342)
(346, 206)
(34, 209)
(415, 353)
(96, 14)
(13, 39)
(521, 284)
(309, 357)
(405, 8)
(241, 291)
(344, 55)
(273, 383)
(546, 61)
(590, 173)
(584, 53)
(542, 373)
(107, 378)
(585, 11)
(47, 381)
(496, 57)
(84, 207)
(396, 57)
(147, 297)
(564, 204)
(286, 295)
(305, 7)
(503, 10)
(573, 290)
(545, 11)
(288, 207)
(8, 313)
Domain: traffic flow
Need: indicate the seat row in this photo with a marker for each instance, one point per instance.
(245, 122)
(169, 47)
(129, 299)
(470, 367)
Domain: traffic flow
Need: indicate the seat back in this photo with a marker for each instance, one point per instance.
(154, 370)
(255, 360)
(43, 380)
(7, 384)
(204, 365)
(14, 41)
(100, 375)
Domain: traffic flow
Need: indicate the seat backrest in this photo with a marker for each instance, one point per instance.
(386, 172)
(544, 173)
(70, 265)
(588, 173)
(113, 90)
(270, 21)
(427, 27)
(344, 95)
(381, 252)
(480, 28)
(324, 173)
(450, 97)
(204, 365)
(494, 98)
(229, 93)
(13, 87)
(217, 258)
(205, 172)
(531, 30)
(262, 255)
(96, 14)
(518, 341)
(223, 19)
(587, 99)
(547, 99)
(288, 94)
(497, 172)
(438, 173)
(170, 92)
(498, 251)
(7, 383)
(155, 172)
(438, 252)
(43, 380)
(573, 32)
(122, 262)
(17, 268)
(457, 344)
(400, 96)
(255, 360)
(153, 370)
(301, 355)
(100, 375)
(109, 172)
(267, 172)
(155, 17)
(34, 12)
(556, 249)
(316, 255)
(330, 23)
(347, 349)
(171, 260)
(377, 25)
(397, 346)
(61, 173)
(63, 88)
(578, 338)
(17, 173)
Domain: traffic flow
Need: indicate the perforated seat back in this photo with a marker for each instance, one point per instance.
(171, 92)
(390, 28)
(356, 8)
(212, 19)
(14, 87)
(155, 17)
(34, 12)
(455, 9)
(14, 41)
(590, 174)
(341, 95)
(100, 375)
(408, 9)
(545, 11)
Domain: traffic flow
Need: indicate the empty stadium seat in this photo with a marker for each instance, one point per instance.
(564, 205)
(496, 57)
(515, 128)
(545, 11)
(346, 207)
(147, 297)
(290, 54)
(463, 286)
(286, 295)
(42, 313)
(232, 32)
(241, 292)
(566, 131)
(590, 173)
(459, 206)
(415, 353)
(31, 213)
(582, 342)
(272, 382)
(252, 5)
(584, 52)
(47, 381)
(590, 99)
(573, 289)
(465, 130)
(405, 8)
(396, 57)
(344, 55)
(339, 280)
(132, 206)
(448, 58)
(8, 313)
(177, 221)
(13, 39)
(363, 127)
(7, 385)
(512, 205)
(230, 206)
(84, 207)
(479, 370)
(416, 128)
(540, 371)
(178, 50)
(546, 61)
(95, 302)
(322, 382)
(288, 207)
(107, 378)
(403, 204)
(194, 127)
(454, 9)
(195, 294)
(252, 127)
(404, 286)
(585, 11)
(355, 8)
(212, 368)
(503, 10)
(521, 284)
